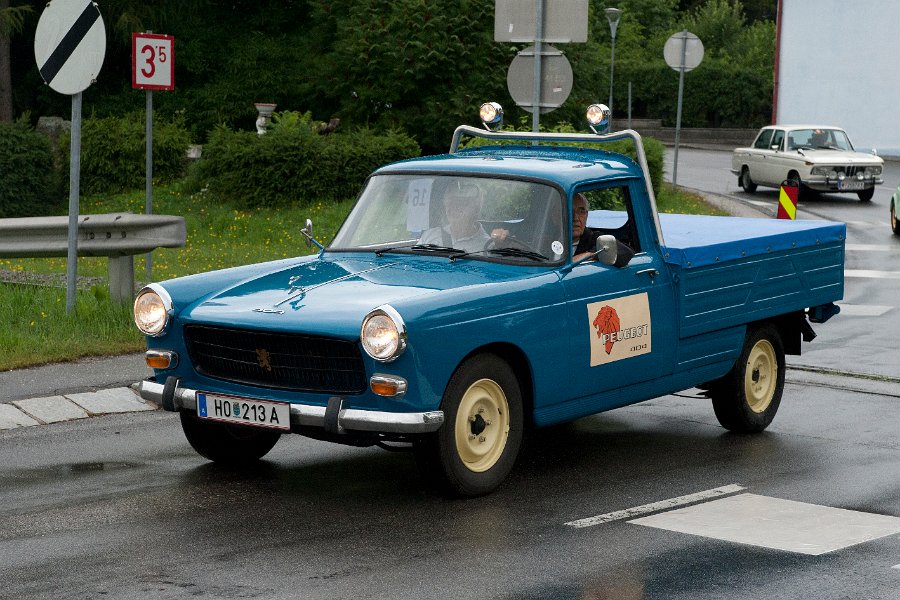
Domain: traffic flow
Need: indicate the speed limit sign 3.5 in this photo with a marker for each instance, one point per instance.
(152, 61)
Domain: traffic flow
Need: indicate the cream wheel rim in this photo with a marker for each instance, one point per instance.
(761, 376)
(893, 218)
(482, 425)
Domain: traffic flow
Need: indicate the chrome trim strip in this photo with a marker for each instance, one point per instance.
(314, 416)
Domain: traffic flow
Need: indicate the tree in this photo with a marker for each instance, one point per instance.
(12, 20)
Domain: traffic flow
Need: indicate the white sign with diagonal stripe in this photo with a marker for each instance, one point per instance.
(69, 45)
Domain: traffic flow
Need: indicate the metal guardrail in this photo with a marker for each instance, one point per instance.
(118, 236)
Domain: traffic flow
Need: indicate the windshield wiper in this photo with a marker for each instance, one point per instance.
(422, 247)
(392, 248)
(436, 248)
(518, 252)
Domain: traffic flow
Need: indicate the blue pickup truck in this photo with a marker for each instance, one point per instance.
(411, 331)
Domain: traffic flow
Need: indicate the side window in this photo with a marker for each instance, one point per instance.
(763, 140)
(612, 214)
(777, 139)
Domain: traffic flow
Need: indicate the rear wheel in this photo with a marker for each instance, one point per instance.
(866, 195)
(746, 183)
(235, 445)
(477, 446)
(747, 398)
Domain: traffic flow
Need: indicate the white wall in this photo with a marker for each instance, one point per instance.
(838, 65)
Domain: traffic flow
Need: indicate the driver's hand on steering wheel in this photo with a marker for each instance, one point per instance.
(499, 234)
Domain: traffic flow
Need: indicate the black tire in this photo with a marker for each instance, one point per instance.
(747, 398)
(232, 445)
(894, 227)
(746, 183)
(866, 195)
(803, 192)
(477, 446)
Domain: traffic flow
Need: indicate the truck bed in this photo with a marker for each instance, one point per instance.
(730, 271)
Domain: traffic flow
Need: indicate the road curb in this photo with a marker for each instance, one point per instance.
(70, 407)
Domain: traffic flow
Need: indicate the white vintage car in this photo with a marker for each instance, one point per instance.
(819, 158)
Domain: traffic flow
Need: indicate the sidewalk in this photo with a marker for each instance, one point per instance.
(69, 391)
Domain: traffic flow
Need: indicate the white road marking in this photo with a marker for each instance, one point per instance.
(775, 523)
(863, 310)
(872, 248)
(896, 567)
(864, 273)
(655, 506)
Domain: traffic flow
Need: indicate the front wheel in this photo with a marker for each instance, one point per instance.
(747, 398)
(746, 183)
(232, 445)
(866, 195)
(894, 218)
(477, 446)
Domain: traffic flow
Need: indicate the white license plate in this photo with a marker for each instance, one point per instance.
(851, 185)
(233, 409)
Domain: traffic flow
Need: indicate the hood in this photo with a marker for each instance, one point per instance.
(840, 157)
(332, 294)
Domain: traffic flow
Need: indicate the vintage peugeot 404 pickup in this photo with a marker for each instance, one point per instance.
(410, 331)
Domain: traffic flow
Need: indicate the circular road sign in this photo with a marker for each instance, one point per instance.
(69, 45)
(683, 43)
(556, 79)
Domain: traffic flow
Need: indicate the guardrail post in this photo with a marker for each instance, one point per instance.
(121, 278)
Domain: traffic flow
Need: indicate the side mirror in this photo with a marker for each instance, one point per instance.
(607, 250)
(307, 233)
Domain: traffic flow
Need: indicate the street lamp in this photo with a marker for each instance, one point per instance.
(612, 15)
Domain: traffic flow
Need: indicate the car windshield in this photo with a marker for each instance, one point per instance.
(818, 139)
(476, 217)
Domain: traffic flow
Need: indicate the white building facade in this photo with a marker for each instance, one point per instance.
(836, 63)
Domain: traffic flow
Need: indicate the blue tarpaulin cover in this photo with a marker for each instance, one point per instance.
(693, 241)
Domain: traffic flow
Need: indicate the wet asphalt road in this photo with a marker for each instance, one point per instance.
(121, 507)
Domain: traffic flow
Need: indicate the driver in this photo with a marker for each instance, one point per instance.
(462, 205)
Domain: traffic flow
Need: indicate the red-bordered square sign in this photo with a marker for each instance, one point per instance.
(152, 61)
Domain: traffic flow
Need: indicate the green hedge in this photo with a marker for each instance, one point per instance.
(293, 163)
(114, 152)
(30, 182)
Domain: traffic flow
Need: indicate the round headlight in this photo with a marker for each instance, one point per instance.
(491, 115)
(152, 309)
(598, 116)
(383, 334)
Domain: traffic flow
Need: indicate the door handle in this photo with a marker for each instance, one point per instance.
(651, 272)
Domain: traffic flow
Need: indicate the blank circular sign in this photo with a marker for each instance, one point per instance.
(683, 43)
(69, 45)
(556, 79)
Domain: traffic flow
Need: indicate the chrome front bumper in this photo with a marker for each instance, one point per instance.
(351, 419)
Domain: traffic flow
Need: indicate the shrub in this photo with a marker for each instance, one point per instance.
(292, 163)
(113, 152)
(30, 182)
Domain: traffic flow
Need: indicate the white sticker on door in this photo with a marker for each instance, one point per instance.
(620, 328)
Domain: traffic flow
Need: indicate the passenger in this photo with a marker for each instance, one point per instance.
(461, 205)
(584, 240)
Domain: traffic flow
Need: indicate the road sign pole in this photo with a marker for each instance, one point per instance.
(678, 112)
(148, 203)
(538, 59)
(74, 192)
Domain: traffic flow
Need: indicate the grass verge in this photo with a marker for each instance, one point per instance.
(219, 236)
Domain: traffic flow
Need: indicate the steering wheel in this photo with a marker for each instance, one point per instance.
(510, 241)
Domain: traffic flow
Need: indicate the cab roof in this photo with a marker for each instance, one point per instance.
(566, 166)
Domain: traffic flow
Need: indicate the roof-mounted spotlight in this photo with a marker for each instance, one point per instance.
(491, 116)
(598, 116)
